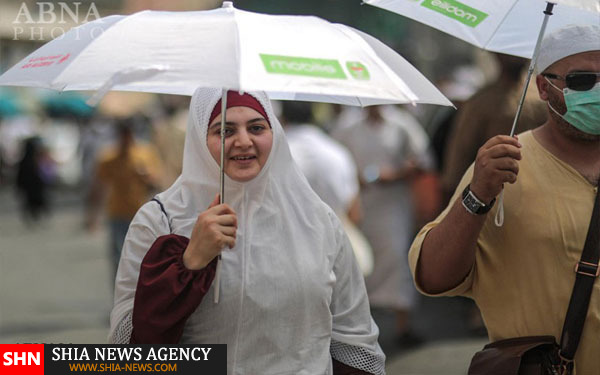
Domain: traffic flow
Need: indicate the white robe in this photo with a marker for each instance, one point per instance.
(330, 170)
(291, 294)
(327, 165)
(388, 220)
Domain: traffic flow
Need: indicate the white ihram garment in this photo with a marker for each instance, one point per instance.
(327, 165)
(290, 290)
(329, 168)
(388, 218)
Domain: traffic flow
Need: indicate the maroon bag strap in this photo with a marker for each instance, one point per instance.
(587, 272)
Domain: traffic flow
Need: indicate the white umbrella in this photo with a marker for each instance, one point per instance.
(504, 26)
(513, 27)
(289, 57)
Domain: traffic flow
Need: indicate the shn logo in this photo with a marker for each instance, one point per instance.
(18, 359)
(21, 358)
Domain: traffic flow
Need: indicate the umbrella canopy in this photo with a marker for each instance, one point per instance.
(504, 26)
(289, 57)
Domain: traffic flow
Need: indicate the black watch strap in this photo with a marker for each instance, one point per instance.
(473, 204)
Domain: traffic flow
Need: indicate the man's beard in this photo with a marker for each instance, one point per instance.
(563, 126)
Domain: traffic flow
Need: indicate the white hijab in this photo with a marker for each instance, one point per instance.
(290, 288)
(280, 178)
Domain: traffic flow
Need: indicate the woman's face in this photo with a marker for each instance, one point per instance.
(248, 142)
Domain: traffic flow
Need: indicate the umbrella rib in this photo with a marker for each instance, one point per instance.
(500, 23)
(360, 101)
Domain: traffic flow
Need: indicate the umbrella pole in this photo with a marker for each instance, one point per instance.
(548, 13)
(499, 219)
(221, 186)
(222, 171)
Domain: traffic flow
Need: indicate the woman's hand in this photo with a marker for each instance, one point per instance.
(214, 229)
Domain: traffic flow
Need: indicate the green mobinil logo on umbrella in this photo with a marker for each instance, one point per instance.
(456, 10)
(303, 66)
(358, 70)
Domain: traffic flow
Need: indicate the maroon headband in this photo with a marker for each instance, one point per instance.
(234, 99)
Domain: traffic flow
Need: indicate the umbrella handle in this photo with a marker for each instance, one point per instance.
(125, 76)
(217, 280)
(222, 169)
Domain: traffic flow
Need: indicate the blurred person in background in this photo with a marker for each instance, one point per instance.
(125, 177)
(330, 170)
(96, 135)
(487, 113)
(342, 116)
(35, 173)
(16, 125)
(459, 86)
(169, 135)
(390, 148)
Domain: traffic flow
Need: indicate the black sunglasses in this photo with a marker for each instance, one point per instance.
(578, 81)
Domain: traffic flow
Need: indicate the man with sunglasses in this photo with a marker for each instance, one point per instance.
(521, 273)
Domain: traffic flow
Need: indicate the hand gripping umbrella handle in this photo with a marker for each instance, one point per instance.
(499, 219)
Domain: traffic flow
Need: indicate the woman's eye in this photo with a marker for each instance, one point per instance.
(228, 131)
(257, 128)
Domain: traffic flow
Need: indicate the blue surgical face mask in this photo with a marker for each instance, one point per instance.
(583, 108)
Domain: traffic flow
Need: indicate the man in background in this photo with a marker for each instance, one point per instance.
(390, 148)
(126, 176)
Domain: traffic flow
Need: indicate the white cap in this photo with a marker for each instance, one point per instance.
(567, 41)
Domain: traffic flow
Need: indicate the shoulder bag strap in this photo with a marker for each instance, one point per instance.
(162, 208)
(587, 271)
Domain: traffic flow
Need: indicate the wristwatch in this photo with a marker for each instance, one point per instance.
(473, 205)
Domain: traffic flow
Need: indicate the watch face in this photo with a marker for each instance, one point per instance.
(471, 204)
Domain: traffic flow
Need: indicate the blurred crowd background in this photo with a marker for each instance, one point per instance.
(54, 148)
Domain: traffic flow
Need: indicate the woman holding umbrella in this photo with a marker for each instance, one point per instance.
(291, 297)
